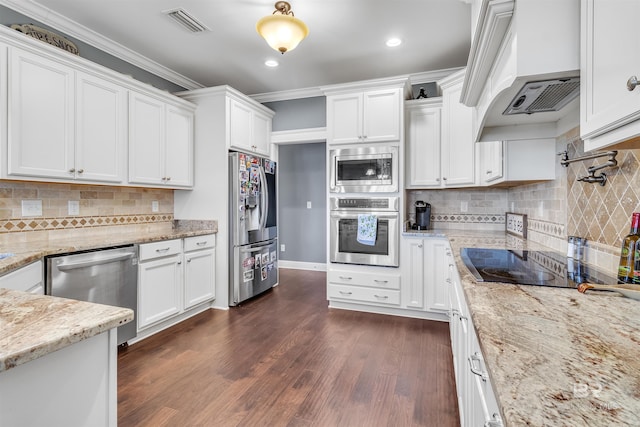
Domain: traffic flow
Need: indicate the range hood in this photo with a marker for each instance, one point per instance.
(523, 73)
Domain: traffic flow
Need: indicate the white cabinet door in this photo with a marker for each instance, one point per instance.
(41, 105)
(146, 140)
(101, 129)
(438, 261)
(413, 262)
(423, 146)
(458, 147)
(199, 277)
(240, 129)
(344, 118)
(179, 147)
(382, 118)
(491, 161)
(262, 133)
(608, 60)
(159, 289)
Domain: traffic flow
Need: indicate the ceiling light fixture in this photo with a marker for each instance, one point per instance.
(393, 42)
(271, 63)
(282, 31)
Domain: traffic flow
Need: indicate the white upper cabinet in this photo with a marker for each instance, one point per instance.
(67, 119)
(249, 127)
(517, 161)
(41, 124)
(458, 146)
(101, 129)
(423, 143)
(371, 116)
(160, 143)
(366, 112)
(609, 110)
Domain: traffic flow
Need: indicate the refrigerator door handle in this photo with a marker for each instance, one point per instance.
(264, 199)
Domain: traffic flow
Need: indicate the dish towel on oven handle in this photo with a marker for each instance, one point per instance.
(367, 229)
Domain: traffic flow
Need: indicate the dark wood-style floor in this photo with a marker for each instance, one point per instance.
(285, 359)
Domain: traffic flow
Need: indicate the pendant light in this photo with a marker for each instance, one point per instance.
(282, 31)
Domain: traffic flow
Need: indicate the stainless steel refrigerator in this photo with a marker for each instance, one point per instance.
(253, 230)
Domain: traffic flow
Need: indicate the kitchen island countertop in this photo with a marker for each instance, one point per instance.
(556, 357)
(32, 326)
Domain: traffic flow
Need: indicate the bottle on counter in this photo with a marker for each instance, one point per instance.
(628, 257)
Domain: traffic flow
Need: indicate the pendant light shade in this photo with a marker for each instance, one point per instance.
(282, 31)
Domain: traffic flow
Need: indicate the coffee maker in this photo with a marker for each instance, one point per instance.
(423, 215)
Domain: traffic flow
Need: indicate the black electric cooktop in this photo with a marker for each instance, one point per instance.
(539, 268)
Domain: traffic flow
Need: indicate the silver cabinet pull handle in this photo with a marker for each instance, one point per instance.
(488, 172)
(380, 281)
(162, 250)
(201, 243)
(381, 296)
(345, 277)
(632, 83)
(345, 293)
(474, 370)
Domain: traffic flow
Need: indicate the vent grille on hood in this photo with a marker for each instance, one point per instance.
(542, 96)
(183, 18)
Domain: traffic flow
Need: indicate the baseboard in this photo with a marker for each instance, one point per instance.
(299, 265)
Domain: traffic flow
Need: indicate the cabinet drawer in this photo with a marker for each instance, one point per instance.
(362, 294)
(160, 249)
(199, 242)
(364, 279)
(26, 279)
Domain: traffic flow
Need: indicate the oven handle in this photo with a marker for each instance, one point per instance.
(354, 215)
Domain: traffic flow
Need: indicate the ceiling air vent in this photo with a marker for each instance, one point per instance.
(183, 18)
(542, 96)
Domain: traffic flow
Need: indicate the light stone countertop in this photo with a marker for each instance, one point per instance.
(32, 326)
(556, 357)
(29, 247)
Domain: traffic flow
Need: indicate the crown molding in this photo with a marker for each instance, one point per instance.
(73, 29)
(432, 76)
(286, 95)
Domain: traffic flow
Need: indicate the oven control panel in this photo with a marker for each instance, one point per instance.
(367, 203)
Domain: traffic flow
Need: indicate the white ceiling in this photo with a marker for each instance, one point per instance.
(346, 39)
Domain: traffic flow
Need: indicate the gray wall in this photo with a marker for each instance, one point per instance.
(299, 113)
(302, 178)
(9, 17)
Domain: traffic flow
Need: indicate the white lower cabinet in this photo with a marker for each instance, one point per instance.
(173, 278)
(425, 270)
(26, 279)
(199, 270)
(362, 287)
(476, 399)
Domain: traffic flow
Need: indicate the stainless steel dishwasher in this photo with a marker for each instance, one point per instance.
(104, 276)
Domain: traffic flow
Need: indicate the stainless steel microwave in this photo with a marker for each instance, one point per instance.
(364, 170)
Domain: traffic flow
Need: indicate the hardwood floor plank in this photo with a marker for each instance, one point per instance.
(286, 359)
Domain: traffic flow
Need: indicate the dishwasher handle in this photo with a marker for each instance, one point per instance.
(94, 261)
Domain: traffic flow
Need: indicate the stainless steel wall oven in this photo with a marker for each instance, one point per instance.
(345, 217)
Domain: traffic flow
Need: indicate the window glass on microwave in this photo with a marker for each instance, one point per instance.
(364, 169)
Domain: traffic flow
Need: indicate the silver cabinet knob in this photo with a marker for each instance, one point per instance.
(488, 172)
(444, 178)
(168, 178)
(80, 170)
(632, 83)
(72, 170)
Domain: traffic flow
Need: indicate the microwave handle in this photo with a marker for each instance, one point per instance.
(264, 198)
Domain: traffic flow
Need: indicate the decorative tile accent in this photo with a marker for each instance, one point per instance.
(18, 225)
(469, 218)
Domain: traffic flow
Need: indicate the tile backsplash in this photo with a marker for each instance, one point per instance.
(99, 206)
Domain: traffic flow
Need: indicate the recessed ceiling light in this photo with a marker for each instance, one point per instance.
(271, 63)
(393, 42)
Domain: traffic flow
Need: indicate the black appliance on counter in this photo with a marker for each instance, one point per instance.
(524, 267)
(423, 215)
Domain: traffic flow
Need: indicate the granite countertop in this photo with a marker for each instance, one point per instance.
(26, 250)
(556, 357)
(32, 326)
